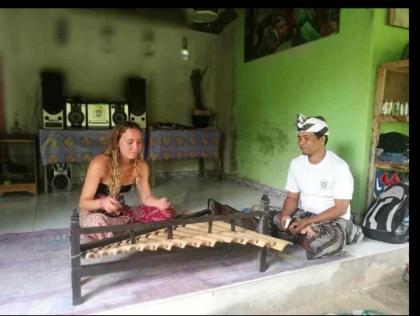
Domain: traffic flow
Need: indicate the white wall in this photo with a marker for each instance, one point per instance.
(28, 45)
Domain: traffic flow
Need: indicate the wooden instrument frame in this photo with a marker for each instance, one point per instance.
(255, 220)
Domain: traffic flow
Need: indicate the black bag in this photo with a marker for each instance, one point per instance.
(387, 217)
(394, 142)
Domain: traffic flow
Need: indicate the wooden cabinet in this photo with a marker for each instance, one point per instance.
(18, 163)
(392, 85)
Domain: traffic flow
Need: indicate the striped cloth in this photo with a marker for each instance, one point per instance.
(330, 239)
(311, 124)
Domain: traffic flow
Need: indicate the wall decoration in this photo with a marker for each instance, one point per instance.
(270, 30)
(61, 31)
(399, 17)
(200, 115)
(107, 39)
(148, 43)
(184, 49)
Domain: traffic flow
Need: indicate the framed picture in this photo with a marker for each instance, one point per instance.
(399, 17)
(270, 30)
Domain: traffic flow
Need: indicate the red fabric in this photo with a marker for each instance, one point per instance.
(395, 179)
(388, 181)
(140, 213)
(147, 214)
(385, 179)
(127, 215)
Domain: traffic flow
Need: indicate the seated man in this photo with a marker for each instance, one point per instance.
(316, 211)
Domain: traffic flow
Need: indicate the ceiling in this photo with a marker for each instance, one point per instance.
(224, 17)
(181, 17)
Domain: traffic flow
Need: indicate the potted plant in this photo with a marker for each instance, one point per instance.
(200, 115)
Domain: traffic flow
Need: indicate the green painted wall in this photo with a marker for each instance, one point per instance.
(332, 77)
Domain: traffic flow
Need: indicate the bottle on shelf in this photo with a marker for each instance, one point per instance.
(396, 108)
(385, 107)
(402, 109)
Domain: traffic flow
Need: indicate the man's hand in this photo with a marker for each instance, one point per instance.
(289, 208)
(282, 221)
(309, 232)
(297, 226)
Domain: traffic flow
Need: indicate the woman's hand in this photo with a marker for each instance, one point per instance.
(110, 205)
(163, 203)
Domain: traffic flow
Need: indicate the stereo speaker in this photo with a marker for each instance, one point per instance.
(60, 177)
(75, 114)
(98, 115)
(119, 113)
(53, 101)
(135, 93)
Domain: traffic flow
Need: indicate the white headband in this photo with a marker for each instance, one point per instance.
(311, 125)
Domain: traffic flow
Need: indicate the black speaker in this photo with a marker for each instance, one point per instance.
(53, 101)
(75, 114)
(135, 93)
(59, 177)
(119, 113)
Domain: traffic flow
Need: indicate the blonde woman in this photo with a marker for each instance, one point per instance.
(110, 175)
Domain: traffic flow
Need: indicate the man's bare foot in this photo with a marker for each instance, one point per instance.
(309, 232)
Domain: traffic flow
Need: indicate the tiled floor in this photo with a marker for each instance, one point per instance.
(23, 212)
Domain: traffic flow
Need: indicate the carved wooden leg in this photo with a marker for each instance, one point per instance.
(263, 229)
(262, 259)
(76, 283)
(45, 179)
(201, 166)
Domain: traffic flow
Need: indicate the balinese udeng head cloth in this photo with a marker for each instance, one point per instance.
(311, 125)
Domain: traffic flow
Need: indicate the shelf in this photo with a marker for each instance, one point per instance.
(391, 166)
(393, 118)
(402, 65)
(392, 83)
(14, 187)
(21, 178)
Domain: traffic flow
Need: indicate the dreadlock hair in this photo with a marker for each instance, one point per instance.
(113, 151)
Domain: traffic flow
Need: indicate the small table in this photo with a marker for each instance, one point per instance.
(81, 145)
(176, 144)
(18, 162)
(70, 146)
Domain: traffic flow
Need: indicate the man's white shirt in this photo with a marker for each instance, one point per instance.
(319, 184)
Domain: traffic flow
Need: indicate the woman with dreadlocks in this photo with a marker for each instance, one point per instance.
(114, 172)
